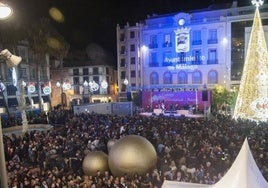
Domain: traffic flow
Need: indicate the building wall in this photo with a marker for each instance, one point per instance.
(78, 93)
(34, 72)
(169, 46)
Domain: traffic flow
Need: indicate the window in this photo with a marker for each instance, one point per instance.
(153, 41)
(76, 80)
(85, 71)
(213, 77)
(132, 34)
(33, 73)
(132, 47)
(133, 74)
(196, 77)
(85, 78)
(23, 73)
(11, 90)
(197, 57)
(168, 78)
(182, 77)
(154, 79)
(75, 72)
(95, 70)
(123, 62)
(123, 50)
(122, 37)
(123, 75)
(167, 41)
(23, 53)
(132, 60)
(212, 38)
(153, 60)
(96, 79)
(123, 88)
(167, 57)
(43, 73)
(212, 56)
(107, 70)
(197, 38)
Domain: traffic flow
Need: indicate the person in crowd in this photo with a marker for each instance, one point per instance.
(189, 150)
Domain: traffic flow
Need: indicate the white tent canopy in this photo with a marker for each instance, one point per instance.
(244, 173)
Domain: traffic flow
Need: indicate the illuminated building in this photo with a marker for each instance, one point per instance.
(186, 50)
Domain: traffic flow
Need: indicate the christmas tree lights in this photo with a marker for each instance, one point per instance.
(252, 99)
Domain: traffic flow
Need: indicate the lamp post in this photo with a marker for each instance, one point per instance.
(196, 100)
(25, 125)
(85, 91)
(5, 12)
(62, 94)
(11, 61)
(63, 86)
(204, 99)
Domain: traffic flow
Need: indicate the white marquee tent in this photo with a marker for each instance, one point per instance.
(244, 173)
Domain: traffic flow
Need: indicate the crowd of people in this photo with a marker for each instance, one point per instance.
(189, 150)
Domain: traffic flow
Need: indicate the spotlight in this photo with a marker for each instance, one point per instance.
(11, 60)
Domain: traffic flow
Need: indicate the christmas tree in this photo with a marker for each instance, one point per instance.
(252, 99)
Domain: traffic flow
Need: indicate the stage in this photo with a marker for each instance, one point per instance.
(173, 114)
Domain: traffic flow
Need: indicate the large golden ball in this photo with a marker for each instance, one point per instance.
(95, 161)
(132, 155)
(111, 143)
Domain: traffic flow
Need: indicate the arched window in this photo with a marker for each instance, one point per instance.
(168, 78)
(212, 77)
(182, 77)
(197, 77)
(154, 79)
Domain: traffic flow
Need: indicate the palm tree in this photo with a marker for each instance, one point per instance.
(45, 40)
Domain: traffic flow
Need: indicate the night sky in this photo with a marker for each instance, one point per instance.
(88, 21)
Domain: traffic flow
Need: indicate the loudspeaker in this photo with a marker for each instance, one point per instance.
(129, 96)
(205, 95)
(11, 60)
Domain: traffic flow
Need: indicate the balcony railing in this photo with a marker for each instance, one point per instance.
(153, 45)
(213, 61)
(212, 41)
(154, 64)
(196, 42)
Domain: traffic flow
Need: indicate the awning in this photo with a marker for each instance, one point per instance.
(45, 98)
(12, 102)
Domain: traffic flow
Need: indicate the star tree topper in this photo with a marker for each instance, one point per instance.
(257, 3)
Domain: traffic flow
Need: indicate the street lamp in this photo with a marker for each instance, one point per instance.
(11, 61)
(5, 11)
(64, 86)
(25, 125)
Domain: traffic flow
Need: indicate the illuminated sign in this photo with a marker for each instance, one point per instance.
(184, 59)
(183, 67)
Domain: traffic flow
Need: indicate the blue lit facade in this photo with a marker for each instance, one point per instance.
(185, 50)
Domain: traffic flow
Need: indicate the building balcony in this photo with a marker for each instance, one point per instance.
(153, 64)
(213, 61)
(196, 42)
(153, 45)
(212, 41)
